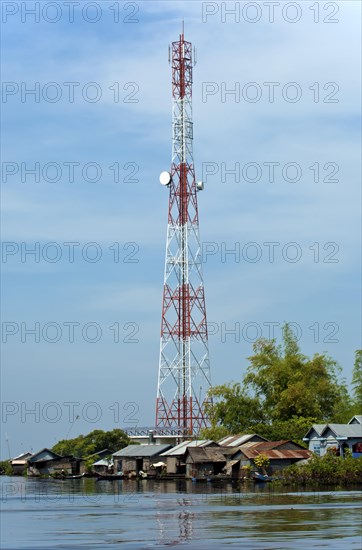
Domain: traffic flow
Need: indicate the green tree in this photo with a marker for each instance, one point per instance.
(94, 442)
(295, 429)
(344, 408)
(357, 382)
(214, 433)
(290, 384)
(233, 409)
(282, 393)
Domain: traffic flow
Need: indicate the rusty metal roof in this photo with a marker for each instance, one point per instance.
(274, 454)
(273, 450)
(271, 444)
(267, 445)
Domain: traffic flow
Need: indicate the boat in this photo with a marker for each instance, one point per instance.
(196, 479)
(61, 476)
(257, 476)
(110, 477)
(218, 477)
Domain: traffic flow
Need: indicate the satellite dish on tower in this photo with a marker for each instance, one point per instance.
(165, 178)
(200, 186)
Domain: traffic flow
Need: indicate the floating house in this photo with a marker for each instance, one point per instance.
(175, 457)
(104, 453)
(206, 462)
(47, 462)
(19, 464)
(103, 461)
(135, 458)
(103, 466)
(280, 454)
(338, 437)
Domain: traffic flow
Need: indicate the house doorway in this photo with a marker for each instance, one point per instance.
(139, 464)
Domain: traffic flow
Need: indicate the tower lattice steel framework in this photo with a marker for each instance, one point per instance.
(184, 368)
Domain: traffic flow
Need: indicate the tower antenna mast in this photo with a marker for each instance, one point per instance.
(184, 367)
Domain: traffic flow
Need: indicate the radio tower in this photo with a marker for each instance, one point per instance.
(184, 369)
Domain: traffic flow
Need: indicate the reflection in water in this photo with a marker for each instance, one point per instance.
(84, 513)
(176, 526)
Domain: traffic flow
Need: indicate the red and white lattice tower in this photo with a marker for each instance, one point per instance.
(184, 369)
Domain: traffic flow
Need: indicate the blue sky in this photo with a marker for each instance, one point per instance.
(321, 290)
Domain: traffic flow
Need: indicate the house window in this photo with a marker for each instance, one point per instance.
(317, 448)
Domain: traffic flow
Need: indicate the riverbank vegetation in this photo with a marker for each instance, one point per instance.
(327, 470)
(5, 468)
(90, 444)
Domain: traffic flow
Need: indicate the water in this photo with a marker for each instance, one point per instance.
(144, 514)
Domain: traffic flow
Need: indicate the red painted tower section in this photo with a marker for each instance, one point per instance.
(184, 369)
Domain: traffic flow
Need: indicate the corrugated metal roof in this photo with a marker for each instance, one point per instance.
(318, 428)
(21, 459)
(236, 440)
(103, 452)
(206, 454)
(339, 430)
(269, 448)
(357, 417)
(273, 454)
(103, 462)
(22, 456)
(344, 430)
(45, 454)
(181, 449)
(135, 451)
(265, 445)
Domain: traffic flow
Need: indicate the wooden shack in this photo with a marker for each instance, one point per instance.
(19, 464)
(280, 454)
(175, 457)
(47, 462)
(202, 462)
(135, 458)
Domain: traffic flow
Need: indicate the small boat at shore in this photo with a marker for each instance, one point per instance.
(218, 477)
(194, 479)
(66, 476)
(257, 476)
(109, 477)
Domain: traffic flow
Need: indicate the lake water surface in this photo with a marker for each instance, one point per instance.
(80, 514)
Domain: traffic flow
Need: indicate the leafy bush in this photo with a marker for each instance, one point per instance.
(261, 460)
(5, 468)
(327, 470)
